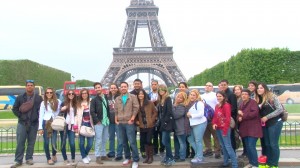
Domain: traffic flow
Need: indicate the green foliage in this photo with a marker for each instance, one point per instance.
(83, 83)
(15, 72)
(7, 115)
(269, 66)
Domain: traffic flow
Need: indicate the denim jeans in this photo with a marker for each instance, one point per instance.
(127, 133)
(71, 136)
(271, 137)
(250, 144)
(84, 151)
(53, 139)
(225, 142)
(101, 138)
(196, 138)
(157, 141)
(176, 147)
(166, 140)
(25, 133)
(113, 131)
(182, 145)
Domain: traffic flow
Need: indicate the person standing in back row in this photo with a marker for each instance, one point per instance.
(27, 124)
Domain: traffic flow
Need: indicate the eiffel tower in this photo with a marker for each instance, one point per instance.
(156, 59)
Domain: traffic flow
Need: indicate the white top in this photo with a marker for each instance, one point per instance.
(210, 98)
(70, 119)
(47, 114)
(197, 115)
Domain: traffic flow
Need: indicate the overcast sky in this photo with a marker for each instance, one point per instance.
(78, 36)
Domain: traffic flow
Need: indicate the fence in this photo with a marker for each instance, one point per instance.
(290, 136)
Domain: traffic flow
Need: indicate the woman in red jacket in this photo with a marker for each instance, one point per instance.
(221, 122)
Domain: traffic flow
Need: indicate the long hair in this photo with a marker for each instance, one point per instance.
(53, 101)
(68, 101)
(161, 99)
(145, 101)
(185, 98)
(225, 97)
(118, 92)
(80, 99)
(267, 95)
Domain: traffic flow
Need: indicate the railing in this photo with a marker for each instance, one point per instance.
(290, 136)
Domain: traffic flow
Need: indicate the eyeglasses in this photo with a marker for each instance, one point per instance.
(49, 92)
(29, 81)
(84, 93)
(71, 94)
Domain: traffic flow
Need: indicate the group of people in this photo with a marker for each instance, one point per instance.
(255, 111)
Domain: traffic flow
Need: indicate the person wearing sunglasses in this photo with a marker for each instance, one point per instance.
(27, 124)
(49, 109)
(69, 109)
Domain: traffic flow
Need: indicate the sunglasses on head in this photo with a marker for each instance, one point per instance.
(30, 81)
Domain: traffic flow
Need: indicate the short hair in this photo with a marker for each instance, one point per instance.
(225, 80)
(154, 80)
(97, 83)
(124, 83)
(137, 80)
(246, 90)
(184, 83)
(254, 83)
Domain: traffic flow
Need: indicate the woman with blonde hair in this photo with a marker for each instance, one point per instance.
(270, 113)
(166, 122)
(198, 123)
(182, 125)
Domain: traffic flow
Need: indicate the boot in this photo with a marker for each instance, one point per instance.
(150, 154)
(147, 154)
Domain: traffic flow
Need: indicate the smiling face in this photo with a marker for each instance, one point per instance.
(141, 95)
(49, 94)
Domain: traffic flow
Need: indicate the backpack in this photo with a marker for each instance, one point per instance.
(208, 111)
(283, 115)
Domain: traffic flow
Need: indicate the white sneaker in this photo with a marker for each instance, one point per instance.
(126, 162)
(88, 157)
(85, 160)
(135, 165)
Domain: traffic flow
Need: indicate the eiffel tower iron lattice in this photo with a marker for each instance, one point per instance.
(156, 59)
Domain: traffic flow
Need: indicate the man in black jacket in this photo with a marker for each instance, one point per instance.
(100, 115)
(231, 99)
(27, 124)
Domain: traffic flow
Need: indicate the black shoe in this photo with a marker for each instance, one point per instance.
(110, 155)
(217, 155)
(118, 158)
(207, 154)
(223, 165)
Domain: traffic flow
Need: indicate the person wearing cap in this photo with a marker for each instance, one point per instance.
(28, 122)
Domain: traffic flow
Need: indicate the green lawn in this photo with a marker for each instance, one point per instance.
(292, 108)
(7, 115)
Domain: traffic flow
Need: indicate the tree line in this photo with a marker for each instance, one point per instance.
(271, 66)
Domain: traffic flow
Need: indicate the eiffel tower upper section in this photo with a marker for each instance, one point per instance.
(156, 59)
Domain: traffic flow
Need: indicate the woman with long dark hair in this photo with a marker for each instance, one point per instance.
(270, 112)
(69, 108)
(221, 122)
(146, 118)
(49, 109)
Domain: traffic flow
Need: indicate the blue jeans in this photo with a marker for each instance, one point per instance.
(127, 133)
(113, 131)
(166, 140)
(196, 138)
(271, 137)
(46, 141)
(84, 151)
(250, 144)
(225, 142)
(101, 138)
(182, 145)
(25, 133)
(71, 136)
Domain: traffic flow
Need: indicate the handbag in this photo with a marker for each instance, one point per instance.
(25, 107)
(58, 123)
(87, 131)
